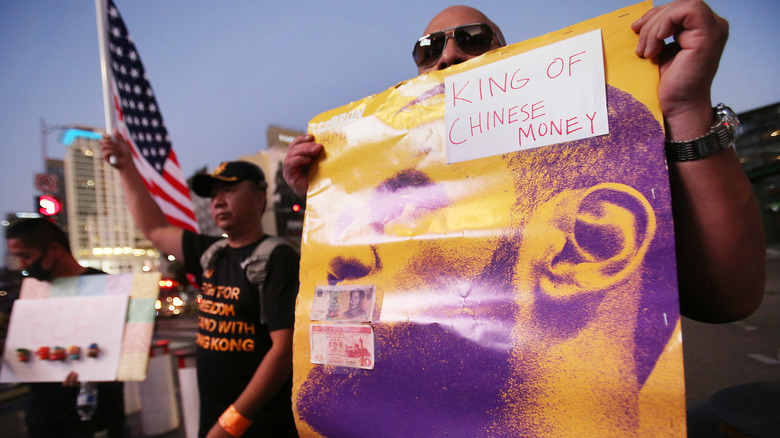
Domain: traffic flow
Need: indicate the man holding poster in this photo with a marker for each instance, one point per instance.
(527, 292)
(43, 250)
(715, 212)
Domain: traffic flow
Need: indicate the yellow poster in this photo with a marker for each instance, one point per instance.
(525, 288)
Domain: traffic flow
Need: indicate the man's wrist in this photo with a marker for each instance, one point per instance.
(682, 125)
(722, 134)
(234, 422)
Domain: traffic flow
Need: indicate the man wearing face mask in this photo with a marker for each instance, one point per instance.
(43, 252)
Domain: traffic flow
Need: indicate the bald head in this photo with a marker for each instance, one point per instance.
(455, 16)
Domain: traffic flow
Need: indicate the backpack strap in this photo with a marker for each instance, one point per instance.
(210, 255)
(254, 267)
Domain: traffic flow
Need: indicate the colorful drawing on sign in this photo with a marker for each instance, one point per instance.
(531, 293)
(110, 317)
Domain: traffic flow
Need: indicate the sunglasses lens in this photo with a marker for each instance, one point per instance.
(475, 39)
(429, 49)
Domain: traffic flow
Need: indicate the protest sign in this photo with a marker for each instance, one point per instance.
(537, 98)
(114, 312)
(521, 292)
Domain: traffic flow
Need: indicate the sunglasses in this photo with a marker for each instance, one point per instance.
(473, 39)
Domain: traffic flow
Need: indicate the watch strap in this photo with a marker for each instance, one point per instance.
(721, 135)
(698, 148)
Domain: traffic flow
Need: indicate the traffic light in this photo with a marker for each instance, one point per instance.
(48, 205)
(289, 208)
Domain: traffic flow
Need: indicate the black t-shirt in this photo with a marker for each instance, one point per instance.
(231, 341)
(52, 408)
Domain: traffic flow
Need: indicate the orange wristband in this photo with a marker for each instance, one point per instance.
(233, 422)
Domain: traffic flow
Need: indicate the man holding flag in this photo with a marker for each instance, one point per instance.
(245, 324)
(244, 366)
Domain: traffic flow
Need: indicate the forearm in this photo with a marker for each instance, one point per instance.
(270, 377)
(147, 215)
(721, 249)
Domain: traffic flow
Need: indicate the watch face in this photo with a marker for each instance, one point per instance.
(722, 134)
(728, 118)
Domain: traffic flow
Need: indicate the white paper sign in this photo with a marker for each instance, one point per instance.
(65, 322)
(549, 95)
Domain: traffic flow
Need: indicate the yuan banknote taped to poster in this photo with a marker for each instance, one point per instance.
(521, 292)
(343, 303)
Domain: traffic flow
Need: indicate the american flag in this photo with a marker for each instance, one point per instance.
(137, 118)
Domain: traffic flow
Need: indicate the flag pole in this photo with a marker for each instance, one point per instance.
(101, 13)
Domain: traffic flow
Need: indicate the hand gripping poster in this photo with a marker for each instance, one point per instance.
(509, 219)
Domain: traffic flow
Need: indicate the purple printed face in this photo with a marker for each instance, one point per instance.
(404, 199)
(477, 330)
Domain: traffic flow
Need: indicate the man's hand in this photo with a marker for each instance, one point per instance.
(71, 380)
(115, 146)
(303, 150)
(688, 65)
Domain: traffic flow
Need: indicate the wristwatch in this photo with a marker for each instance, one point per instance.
(722, 134)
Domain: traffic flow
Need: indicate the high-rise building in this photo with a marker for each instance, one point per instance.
(101, 230)
(758, 148)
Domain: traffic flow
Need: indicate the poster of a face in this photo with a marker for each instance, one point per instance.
(530, 293)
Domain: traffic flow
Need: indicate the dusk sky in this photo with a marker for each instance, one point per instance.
(224, 71)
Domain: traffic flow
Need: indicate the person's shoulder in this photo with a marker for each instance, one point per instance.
(283, 249)
(188, 235)
(194, 246)
(199, 243)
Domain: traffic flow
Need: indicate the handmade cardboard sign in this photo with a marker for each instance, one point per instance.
(65, 323)
(99, 326)
(520, 292)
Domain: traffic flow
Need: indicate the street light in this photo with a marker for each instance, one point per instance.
(70, 133)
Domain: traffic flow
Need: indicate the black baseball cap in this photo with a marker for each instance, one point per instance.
(231, 172)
